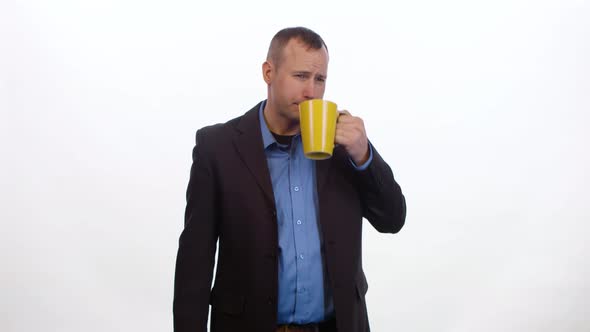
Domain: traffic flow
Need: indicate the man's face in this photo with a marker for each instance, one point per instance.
(300, 75)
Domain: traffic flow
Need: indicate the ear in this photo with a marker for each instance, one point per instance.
(267, 72)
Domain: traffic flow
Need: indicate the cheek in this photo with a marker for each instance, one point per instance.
(281, 88)
(286, 86)
(292, 88)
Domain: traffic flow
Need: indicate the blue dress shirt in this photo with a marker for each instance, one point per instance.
(302, 297)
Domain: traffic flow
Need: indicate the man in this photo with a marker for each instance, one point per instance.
(289, 228)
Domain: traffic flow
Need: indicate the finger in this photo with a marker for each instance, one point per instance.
(349, 139)
(340, 140)
(344, 136)
(342, 116)
(347, 118)
(349, 126)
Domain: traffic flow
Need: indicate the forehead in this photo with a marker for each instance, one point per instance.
(299, 56)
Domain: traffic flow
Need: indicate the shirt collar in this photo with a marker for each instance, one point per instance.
(267, 137)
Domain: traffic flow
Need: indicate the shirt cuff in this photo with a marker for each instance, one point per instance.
(366, 164)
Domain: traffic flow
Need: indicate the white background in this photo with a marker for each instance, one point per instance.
(480, 108)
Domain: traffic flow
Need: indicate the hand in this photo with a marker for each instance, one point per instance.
(350, 133)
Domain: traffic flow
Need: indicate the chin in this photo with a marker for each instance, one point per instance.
(295, 115)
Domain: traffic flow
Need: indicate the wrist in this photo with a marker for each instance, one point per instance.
(362, 159)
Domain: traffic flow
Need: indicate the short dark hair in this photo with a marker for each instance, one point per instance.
(307, 36)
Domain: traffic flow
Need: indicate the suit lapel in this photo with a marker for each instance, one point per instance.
(248, 143)
(323, 167)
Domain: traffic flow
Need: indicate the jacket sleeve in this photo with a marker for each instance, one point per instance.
(384, 205)
(197, 245)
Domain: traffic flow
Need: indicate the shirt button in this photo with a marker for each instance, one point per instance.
(296, 188)
(301, 256)
(298, 222)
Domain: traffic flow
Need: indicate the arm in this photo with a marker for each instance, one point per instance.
(197, 245)
(384, 205)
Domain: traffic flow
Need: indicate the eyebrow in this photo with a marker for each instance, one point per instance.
(309, 73)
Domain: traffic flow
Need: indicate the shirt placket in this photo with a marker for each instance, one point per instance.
(298, 191)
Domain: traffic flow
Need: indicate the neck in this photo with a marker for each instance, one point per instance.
(278, 124)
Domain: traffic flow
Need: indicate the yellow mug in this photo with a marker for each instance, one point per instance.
(317, 118)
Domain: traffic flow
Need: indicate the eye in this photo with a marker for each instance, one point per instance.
(300, 76)
(321, 79)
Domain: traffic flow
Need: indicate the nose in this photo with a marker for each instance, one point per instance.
(310, 90)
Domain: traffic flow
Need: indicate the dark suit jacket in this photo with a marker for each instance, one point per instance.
(230, 199)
